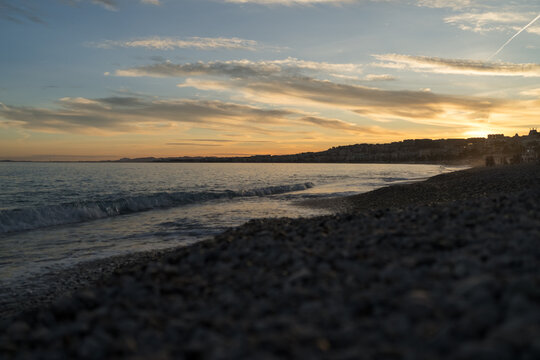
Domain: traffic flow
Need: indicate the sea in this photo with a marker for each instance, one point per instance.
(56, 215)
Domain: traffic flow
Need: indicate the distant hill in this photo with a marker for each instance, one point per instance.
(472, 150)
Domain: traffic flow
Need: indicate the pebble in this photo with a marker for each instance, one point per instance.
(452, 280)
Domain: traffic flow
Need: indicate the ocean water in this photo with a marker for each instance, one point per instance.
(55, 215)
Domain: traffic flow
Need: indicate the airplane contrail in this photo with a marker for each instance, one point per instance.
(512, 38)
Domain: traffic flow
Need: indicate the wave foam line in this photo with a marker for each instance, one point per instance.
(69, 213)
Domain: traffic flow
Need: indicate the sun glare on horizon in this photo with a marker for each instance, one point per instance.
(185, 72)
(479, 133)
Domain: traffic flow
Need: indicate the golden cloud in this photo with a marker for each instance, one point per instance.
(130, 114)
(456, 66)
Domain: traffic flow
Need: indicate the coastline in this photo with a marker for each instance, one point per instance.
(443, 268)
(472, 183)
(56, 284)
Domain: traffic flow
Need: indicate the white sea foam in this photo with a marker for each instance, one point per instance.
(43, 216)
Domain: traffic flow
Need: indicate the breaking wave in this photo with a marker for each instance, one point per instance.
(75, 212)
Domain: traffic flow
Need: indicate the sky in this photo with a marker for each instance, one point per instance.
(107, 79)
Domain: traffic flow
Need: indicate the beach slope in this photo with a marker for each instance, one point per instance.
(442, 269)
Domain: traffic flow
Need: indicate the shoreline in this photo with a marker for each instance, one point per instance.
(466, 162)
(64, 282)
(408, 263)
(480, 182)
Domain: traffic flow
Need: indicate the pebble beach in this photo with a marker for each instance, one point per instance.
(447, 268)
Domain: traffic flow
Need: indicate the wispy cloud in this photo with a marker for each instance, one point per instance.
(422, 107)
(107, 4)
(241, 68)
(376, 103)
(112, 5)
(272, 116)
(482, 22)
(487, 21)
(534, 30)
(18, 11)
(267, 83)
(137, 115)
(456, 66)
(428, 3)
(454, 4)
(170, 43)
(21, 11)
(227, 141)
(193, 144)
(531, 93)
(130, 114)
(290, 2)
(380, 77)
(336, 124)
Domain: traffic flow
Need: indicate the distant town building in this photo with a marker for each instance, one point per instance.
(529, 155)
(494, 150)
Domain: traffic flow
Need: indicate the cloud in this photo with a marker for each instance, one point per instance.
(107, 4)
(21, 11)
(456, 66)
(209, 140)
(366, 100)
(240, 68)
(191, 144)
(131, 114)
(206, 85)
(294, 84)
(269, 117)
(290, 2)
(380, 77)
(454, 4)
(137, 115)
(488, 21)
(271, 84)
(336, 124)
(531, 93)
(18, 11)
(422, 107)
(534, 30)
(63, 157)
(169, 43)
(218, 143)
